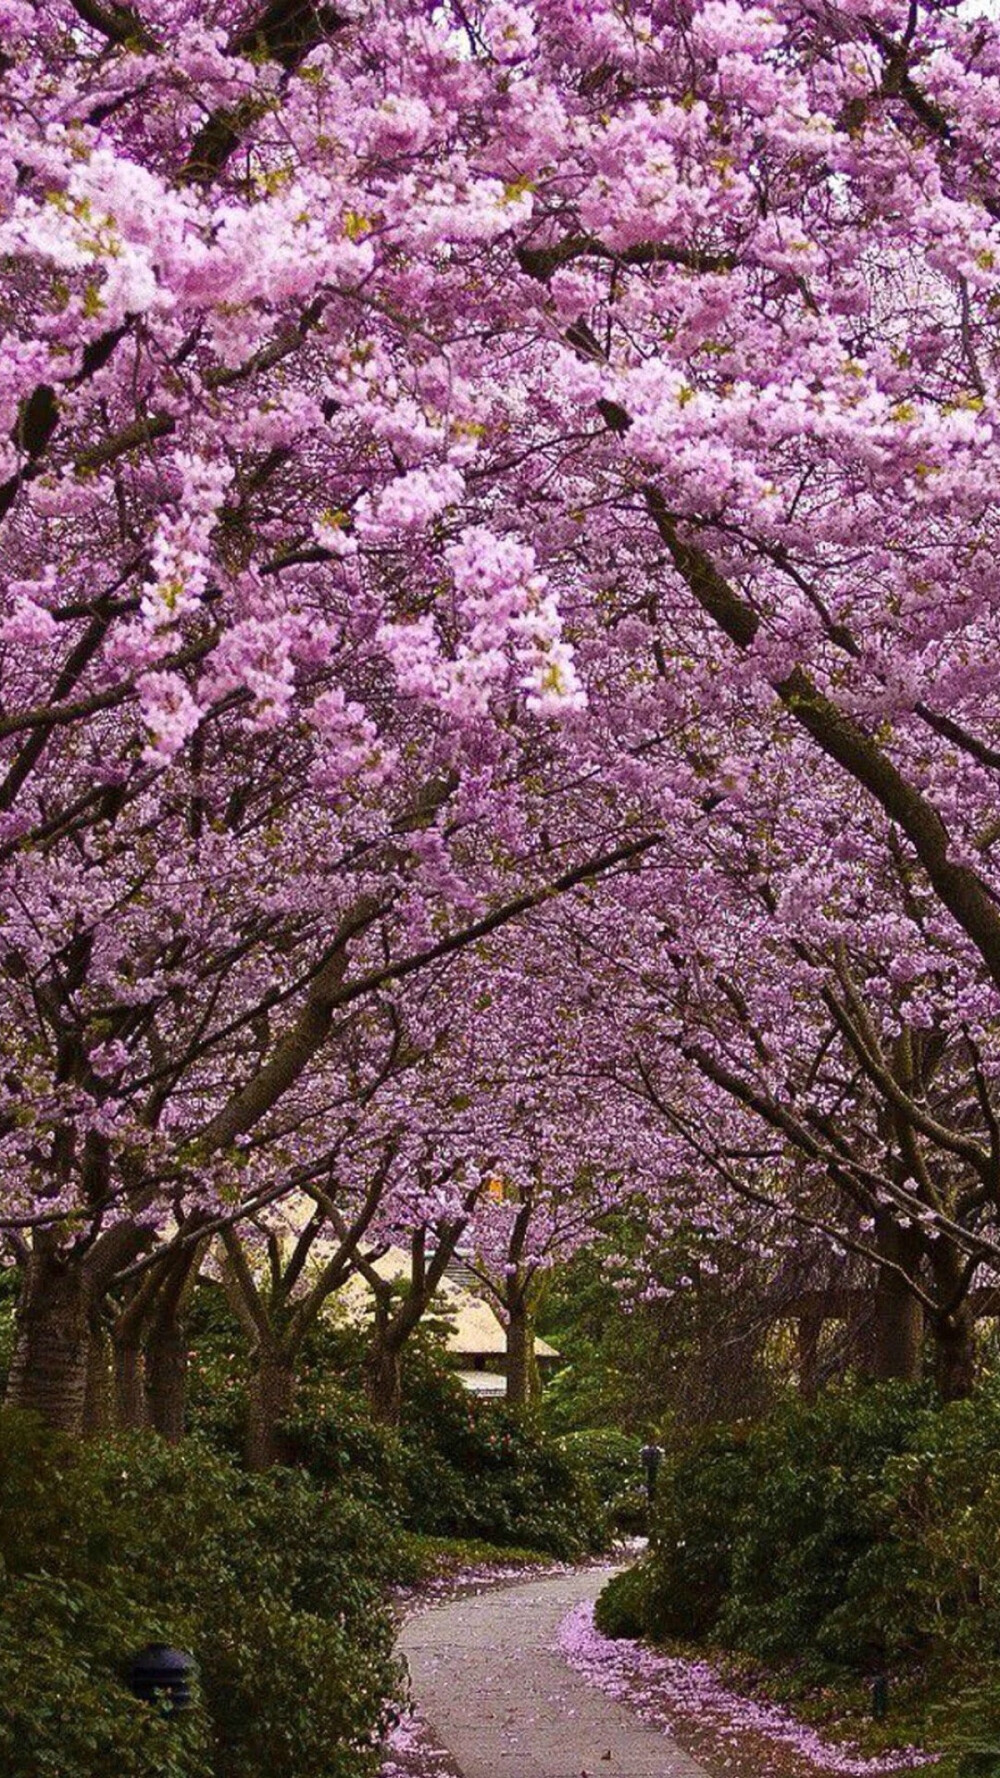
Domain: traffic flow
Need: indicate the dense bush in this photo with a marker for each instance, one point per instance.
(680, 1587)
(475, 1470)
(865, 1525)
(974, 1737)
(456, 1467)
(274, 1583)
(610, 1462)
(333, 1435)
(807, 1519)
(931, 1575)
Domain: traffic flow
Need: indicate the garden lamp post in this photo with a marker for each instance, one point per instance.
(652, 1457)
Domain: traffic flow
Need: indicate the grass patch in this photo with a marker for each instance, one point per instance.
(425, 1559)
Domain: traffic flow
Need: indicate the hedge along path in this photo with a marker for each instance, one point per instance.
(505, 1705)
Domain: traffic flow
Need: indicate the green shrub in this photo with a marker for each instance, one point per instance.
(67, 1712)
(333, 1435)
(610, 1462)
(680, 1587)
(274, 1584)
(624, 1606)
(975, 1745)
(931, 1575)
(476, 1470)
(806, 1521)
(760, 1531)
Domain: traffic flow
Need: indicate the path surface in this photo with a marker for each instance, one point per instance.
(505, 1705)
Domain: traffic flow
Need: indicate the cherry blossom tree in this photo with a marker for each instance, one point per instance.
(453, 454)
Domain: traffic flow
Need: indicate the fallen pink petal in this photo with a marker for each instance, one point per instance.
(669, 1690)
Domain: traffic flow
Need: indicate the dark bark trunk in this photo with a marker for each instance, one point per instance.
(99, 1400)
(898, 1333)
(48, 1374)
(166, 1379)
(272, 1391)
(130, 1384)
(522, 1371)
(954, 1331)
(954, 1354)
(383, 1381)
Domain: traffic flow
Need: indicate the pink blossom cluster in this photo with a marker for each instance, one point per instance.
(498, 631)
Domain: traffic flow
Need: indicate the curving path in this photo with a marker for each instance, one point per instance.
(505, 1705)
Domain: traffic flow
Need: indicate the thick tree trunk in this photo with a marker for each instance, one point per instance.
(383, 1382)
(99, 1400)
(48, 1373)
(898, 1334)
(954, 1354)
(954, 1331)
(272, 1391)
(130, 1384)
(523, 1386)
(166, 1379)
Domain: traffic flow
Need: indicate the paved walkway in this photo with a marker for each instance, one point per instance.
(506, 1706)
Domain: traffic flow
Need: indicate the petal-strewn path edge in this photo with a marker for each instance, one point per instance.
(455, 1583)
(680, 1695)
(731, 1735)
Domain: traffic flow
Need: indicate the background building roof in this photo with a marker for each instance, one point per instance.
(474, 1332)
